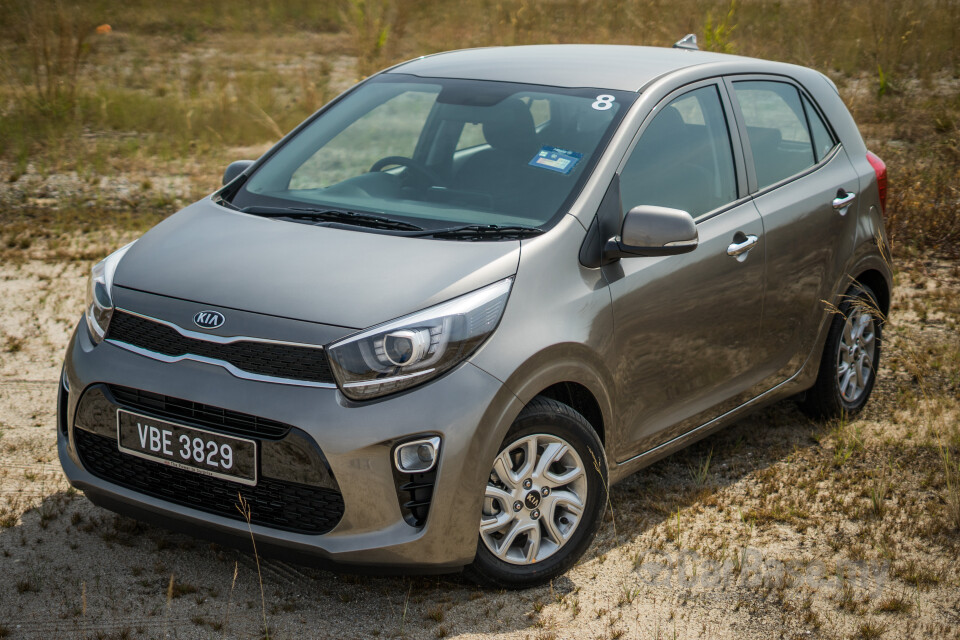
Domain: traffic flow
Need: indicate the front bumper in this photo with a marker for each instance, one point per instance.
(467, 407)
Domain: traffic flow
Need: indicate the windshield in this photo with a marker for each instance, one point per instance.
(439, 152)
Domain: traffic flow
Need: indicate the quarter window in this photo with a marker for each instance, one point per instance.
(684, 159)
(777, 129)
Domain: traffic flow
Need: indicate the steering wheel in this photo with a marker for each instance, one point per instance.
(431, 177)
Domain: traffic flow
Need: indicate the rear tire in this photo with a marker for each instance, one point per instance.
(850, 359)
(543, 513)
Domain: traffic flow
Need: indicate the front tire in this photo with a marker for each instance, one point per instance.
(851, 357)
(543, 500)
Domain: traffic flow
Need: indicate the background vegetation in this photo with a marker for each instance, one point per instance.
(183, 81)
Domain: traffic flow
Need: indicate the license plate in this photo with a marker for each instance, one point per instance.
(197, 450)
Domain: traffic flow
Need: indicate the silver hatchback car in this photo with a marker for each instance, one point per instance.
(428, 328)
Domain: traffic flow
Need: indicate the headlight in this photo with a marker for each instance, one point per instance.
(99, 305)
(411, 350)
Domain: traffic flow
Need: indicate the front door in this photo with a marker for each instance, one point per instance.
(686, 325)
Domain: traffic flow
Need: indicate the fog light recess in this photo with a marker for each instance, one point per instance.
(418, 456)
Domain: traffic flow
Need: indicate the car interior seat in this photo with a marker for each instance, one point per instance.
(509, 130)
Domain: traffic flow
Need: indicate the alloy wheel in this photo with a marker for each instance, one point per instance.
(855, 353)
(534, 499)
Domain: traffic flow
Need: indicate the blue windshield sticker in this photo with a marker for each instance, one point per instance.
(554, 159)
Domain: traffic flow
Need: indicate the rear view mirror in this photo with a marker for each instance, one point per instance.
(654, 231)
(234, 169)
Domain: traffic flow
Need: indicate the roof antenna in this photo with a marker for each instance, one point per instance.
(688, 41)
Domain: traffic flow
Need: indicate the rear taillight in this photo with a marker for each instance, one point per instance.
(881, 170)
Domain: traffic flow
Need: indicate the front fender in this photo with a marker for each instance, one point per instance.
(557, 325)
(568, 362)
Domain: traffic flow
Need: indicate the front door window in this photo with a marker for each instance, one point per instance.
(684, 159)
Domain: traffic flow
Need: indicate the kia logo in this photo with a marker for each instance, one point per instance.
(209, 319)
(532, 499)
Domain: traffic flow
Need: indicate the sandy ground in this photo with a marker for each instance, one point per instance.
(772, 539)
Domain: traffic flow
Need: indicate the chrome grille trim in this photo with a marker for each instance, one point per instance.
(234, 371)
(231, 368)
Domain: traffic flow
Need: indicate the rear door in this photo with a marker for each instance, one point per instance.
(686, 325)
(805, 189)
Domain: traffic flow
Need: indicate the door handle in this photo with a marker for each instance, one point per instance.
(739, 248)
(843, 200)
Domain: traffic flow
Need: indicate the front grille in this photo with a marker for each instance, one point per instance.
(197, 413)
(262, 358)
(273, 503)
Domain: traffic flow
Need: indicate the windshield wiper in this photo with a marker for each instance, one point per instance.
(484, 232)
(332, 215)
(462, 232)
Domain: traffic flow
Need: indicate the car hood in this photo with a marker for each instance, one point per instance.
(355, 279)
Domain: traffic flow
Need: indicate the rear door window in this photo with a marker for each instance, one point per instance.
(777, 129)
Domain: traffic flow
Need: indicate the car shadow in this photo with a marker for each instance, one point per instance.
(695, 473)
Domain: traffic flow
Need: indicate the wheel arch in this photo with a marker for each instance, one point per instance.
(580, 399)
(574, 375)
(880, 287)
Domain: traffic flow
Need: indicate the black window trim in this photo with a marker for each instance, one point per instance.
(806, 99)
(753, 190)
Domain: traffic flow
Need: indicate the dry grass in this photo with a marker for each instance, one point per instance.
(243, 76)
(56, 37)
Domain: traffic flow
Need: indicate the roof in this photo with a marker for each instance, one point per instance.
(618, 67)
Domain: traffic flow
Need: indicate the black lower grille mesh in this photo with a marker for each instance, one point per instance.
(415, 492)
(262, 358)
(197, 413)
(273, 503)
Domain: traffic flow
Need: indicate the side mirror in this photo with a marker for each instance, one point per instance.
(234, 169)
(654, 231)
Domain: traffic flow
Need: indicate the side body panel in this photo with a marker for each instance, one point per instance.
(686, 328)
(536, 365)
(687, 325)
(808, 244)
